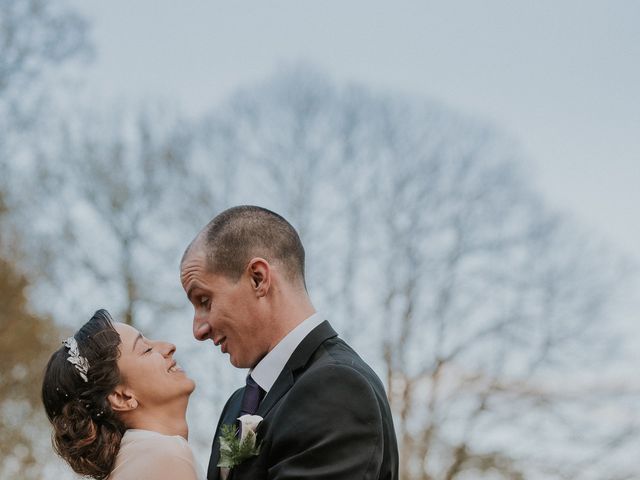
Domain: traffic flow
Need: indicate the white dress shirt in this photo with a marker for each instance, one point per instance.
(266, 372)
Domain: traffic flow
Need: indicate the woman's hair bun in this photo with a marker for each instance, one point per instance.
(86, 431)
(89, 446)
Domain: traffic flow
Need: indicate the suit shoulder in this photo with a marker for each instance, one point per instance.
(341, 379)
(338, 353)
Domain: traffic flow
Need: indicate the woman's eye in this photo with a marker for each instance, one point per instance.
(148, 350)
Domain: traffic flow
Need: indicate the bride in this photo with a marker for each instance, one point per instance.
(117, 403)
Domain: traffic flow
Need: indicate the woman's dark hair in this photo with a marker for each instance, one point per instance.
(86, 431)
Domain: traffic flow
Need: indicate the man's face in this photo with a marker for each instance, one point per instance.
(224, 311)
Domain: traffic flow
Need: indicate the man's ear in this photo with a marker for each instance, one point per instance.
(260, 274)
(122, 400)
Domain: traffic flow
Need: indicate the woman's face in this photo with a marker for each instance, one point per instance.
(149, 370)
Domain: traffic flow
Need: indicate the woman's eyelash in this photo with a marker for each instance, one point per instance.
(148, 350)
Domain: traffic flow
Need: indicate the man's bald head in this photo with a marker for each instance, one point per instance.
(238, 234)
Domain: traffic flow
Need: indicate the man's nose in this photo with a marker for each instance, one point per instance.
(201, 329)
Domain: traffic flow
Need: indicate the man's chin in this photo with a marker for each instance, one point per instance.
(245, 361)
(236, 362)
(240, 362)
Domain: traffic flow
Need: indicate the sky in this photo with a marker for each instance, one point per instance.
(561, 77)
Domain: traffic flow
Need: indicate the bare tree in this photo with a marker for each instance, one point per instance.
(117, 189)
(486, 299)
(291, 144)
(482, 310)
(421, 227)
(36, 37)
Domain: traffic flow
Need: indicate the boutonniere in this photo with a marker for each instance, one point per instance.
(234, 450)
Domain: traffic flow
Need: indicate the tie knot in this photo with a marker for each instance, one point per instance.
(251, 383)
(251, 397)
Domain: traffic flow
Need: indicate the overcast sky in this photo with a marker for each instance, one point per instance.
(562, 77)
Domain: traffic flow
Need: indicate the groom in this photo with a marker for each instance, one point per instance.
(325, 412)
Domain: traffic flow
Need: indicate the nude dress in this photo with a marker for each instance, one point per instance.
(150, 455)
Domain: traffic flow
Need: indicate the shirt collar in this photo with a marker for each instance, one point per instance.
(268, 369)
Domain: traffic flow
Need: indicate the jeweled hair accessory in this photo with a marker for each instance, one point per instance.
(77, 360)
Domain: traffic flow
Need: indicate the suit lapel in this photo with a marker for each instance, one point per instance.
(285, 381)
(299, 359)
(229, 417)
(280, 387)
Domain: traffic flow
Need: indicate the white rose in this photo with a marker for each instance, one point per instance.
(248, 426)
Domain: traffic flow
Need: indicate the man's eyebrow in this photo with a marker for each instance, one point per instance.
(136, 341)
(191, 289)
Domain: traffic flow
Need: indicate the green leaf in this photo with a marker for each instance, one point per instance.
(232, 451)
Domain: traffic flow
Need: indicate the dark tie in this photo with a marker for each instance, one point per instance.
(251, 397)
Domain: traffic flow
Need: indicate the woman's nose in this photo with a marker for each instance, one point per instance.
(168, 348)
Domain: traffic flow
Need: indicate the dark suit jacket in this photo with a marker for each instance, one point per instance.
(326, 417)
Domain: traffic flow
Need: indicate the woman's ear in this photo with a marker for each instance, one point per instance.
(122, 400)
(260, 274)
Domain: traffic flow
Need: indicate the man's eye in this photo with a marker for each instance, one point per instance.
(204, 301)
